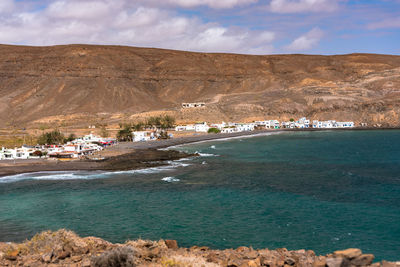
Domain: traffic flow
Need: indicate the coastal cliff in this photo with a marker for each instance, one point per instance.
(65, 248)
(83, 84)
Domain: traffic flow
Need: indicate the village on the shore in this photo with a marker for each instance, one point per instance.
(90, 144)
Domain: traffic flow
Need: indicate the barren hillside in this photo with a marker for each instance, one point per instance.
(81, 83)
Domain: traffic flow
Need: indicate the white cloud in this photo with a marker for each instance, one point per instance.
(209, 3)
(6, 6)
(385, 24)
(120, 22)
(297, 6)
(78, 9)
(220, 39)
(306, 41)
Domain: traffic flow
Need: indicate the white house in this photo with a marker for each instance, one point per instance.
(229, 130)
(188, 127)
(91, 138)
(201, 127)
(23, 152)
(288, 124)
(193, 105)
(302, 123)
(332, 124)
(7, 153)
(274, 124)
(268, 124)
(324, 124)
(245, 127)
(345, 124)
(142, 136)
(262, 124)
(180, 128)
(219, 126)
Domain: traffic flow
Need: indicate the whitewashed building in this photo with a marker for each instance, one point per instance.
(201, 127)
(180, 128)
(268, 124)
(24, 152)
(332, 124)
(229, 130)
(193, 105)
(345, 124)
(302, 123)
(142, 136)
(219, 126)
(245, 127)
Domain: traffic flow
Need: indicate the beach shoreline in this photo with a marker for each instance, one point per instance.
(137, 155)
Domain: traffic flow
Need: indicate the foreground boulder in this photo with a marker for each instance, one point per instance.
(65, 248)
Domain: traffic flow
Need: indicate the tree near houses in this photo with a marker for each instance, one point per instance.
(70, 138)
(157, 123)
(214, 130)
(125, 134)
(167, 122)
(51, 138)
(160, 122)
(37, 153)
(138, 126)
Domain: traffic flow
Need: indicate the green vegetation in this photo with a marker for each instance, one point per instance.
(125, 135)
(214, 130)
(138, 126)
(291, 119)
(51, 138)
(163, 135)
(37, 153)
(70, 138)
(162, 123)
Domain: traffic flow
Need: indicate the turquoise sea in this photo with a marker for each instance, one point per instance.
(314, 190)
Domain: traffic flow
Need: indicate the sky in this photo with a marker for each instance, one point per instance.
(233, 26)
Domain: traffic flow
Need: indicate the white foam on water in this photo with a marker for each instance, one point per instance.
(88, 175)
(53, 175)
(185, 159)
(170, 179)
(213, 147)
(206, 154)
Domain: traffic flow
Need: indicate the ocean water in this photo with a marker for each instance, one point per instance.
(314, 190)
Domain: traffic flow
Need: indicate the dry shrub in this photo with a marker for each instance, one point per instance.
(47, 241)
(118, 257)
(186, 261)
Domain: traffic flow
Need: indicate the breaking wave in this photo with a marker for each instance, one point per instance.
(88, 175)
(206, 154)
(170, 179)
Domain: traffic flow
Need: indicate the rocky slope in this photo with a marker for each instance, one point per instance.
(82, 84)
(65, 248)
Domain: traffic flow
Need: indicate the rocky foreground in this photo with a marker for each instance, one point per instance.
(65, 248)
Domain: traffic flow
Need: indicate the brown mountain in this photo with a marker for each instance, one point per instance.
(81, 84)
